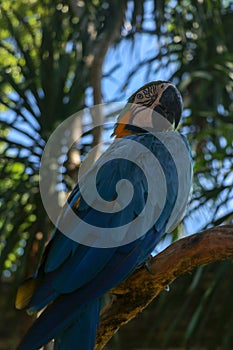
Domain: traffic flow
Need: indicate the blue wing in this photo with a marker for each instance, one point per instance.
(73, 276)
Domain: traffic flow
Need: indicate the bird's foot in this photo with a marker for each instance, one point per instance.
(148, 264)
(148, 267)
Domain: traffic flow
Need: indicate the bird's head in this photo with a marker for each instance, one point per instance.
(156, 105)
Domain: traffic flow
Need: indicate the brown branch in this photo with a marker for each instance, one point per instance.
(110, 34)
(135, 293)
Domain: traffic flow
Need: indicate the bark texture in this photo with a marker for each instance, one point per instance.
(136, 292)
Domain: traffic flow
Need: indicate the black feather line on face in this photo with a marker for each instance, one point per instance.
(151, 85)
(144, 98)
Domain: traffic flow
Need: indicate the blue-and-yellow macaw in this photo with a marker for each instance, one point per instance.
(72, 276)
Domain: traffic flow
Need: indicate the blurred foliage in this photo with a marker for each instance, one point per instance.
(52, 56)
(47, 50)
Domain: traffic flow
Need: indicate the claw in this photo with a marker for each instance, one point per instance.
(148, 267)
(148, 264)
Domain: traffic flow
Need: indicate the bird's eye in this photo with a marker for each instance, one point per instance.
(140, 95)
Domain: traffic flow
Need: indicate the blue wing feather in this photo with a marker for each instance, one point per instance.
(65, 310)
(74, 275)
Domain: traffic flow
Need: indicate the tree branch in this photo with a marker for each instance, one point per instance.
(136, 293)
(111, 33)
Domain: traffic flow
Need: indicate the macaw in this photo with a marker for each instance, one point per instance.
(73, 277)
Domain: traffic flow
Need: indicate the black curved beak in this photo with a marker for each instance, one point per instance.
(170, 105)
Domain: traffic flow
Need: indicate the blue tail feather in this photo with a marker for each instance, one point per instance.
(78, 334)
(81, 334)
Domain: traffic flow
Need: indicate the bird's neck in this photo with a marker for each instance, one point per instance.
(124, 126)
